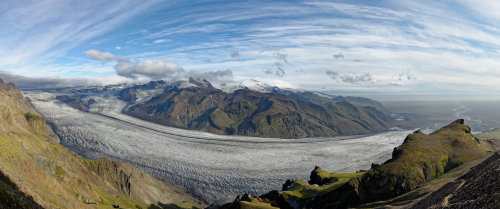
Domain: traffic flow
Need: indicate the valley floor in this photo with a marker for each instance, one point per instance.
(213, 167)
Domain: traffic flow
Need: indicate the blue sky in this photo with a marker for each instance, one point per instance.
(346, 46)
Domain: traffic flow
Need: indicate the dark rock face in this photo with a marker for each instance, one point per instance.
(286, 185)
(12, 197)
(345, 196)
(316, 177)
(130, 94)
(459, 121)
(74, 101)
(479, 188)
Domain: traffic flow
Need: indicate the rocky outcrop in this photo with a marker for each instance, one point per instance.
(36, 123)
(321, 177)
(131, 94)
(419, 160)
(74, 101)
(12, 197)
(479, 188)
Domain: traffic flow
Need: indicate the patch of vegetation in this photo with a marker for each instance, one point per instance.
(305, 190)
(122, 201)
(183, 205)
(60, 171)
(342, 177)
(32, 116)
(255, 205)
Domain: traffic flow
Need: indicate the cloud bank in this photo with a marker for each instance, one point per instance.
(27, 83)
(150, 69)
(154, 69)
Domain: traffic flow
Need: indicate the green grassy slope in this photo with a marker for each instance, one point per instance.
(38, 167)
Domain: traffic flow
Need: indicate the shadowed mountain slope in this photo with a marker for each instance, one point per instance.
(198, 105)
(12, 197)
(479, 188)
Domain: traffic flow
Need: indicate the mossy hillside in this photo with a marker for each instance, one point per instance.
(428, 187)
(255, 204)
(250, 203)
(36, 123)
(251, 113)
(183, 205)
(304, 190)
(420, 159)
(490, 141)
(56, 177)
(319, 99)
(258, 205)
(423, 163)
(297, 193)
(342, 177)
(55, 185)
(289, 119)
(231, 115)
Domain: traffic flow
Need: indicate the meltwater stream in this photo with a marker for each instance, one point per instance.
(213, 167)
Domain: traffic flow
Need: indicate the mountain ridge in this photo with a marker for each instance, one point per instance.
(200, 106)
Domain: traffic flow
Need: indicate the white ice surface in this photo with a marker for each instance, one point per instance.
(213, 167)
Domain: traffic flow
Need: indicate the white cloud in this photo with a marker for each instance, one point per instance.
(101, 56)
(154, 69)
(159, 41)
(215, 77)
(352, 78)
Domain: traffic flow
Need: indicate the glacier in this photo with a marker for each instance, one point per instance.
(215, 168)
